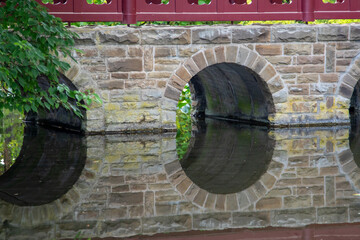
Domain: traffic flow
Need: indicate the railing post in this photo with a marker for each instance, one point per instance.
(129, 11)
(308, 10)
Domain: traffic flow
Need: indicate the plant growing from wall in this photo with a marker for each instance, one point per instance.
(31, 44)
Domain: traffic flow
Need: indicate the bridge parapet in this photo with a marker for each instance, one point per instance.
(310, 70)
(131, 11)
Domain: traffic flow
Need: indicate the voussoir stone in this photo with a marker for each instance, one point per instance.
(254, 34)
(294, 34)
(211, 35)
(166, 36)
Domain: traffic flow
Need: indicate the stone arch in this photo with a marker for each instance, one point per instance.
(226, 54)
(348, 81)
(220, 202)
(83, 81)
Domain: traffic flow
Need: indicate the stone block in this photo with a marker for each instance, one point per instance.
(297, 201)
(210, 56)
(294, 34)
(125, 199)
(332, 215)
(210, 201)
(308, 78)
(231, 202)
(242, 55)
(329, 77)
(346, 91)
(172, 93)
(354, 33)
(191, 67)
(231, 53)
(184, 74)
(250, 34)
(251, 219)
(123, 37)
(279, 192)
(318, 48)
(289, 69)
(300, 89)
(85, 38)
(333, 33)
(269, 50)
(112, 84)
(200, 61)
(297, 49)
(124, 65)
(165, 52)
(279, 60)
(268, 180)
(113, 214)
(166, 36)
(293, 217)
(123, 227)
(200, 197)
(184, 185)
(220, 54)
(269, 203)
(211, 35)
(268, 73)
(220, 202)
(111, 52)
(307, 172)
(212, 221)
(302, 60)
(165, 224)
(349, 80)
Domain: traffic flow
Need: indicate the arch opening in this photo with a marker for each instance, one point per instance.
(233, 92)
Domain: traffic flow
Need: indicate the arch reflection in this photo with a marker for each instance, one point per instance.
(227, 157)
(49, 164)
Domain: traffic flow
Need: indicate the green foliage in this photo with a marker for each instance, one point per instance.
(183, 122)
(31, 43)
(11, 138)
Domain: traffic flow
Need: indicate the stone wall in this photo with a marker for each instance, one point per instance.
(139, 71)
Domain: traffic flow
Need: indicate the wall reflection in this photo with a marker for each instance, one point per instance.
(135, 184)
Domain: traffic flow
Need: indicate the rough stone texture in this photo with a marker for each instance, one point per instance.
(354, 33)
(254, 34)
(293, 34)
(213, 36)
(333, 33)
(165, 36)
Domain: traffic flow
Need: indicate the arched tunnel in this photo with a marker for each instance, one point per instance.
(227, 157)
(232, 91)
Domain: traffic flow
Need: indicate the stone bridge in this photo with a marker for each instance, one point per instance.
(278, 74)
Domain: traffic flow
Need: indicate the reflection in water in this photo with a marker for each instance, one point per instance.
(49, 164)
(228, 157)
(11, 138)
(135, 185)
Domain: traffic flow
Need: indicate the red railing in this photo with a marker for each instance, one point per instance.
(131, 11)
